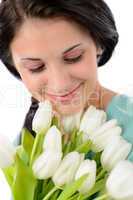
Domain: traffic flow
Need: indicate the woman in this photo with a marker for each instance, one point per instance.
(55, 48)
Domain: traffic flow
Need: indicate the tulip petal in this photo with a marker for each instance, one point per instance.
(92, 121)
(7, 152)
(43, 117)
(67, 169)
(71, 121)
(101, 139)
(87, 167)
(105, 126)
(46, 164)
(116, 150)
(52, 140)
(120, 181)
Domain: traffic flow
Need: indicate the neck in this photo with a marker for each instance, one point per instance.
(101, 97)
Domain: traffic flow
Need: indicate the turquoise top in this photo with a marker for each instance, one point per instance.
(121, 108)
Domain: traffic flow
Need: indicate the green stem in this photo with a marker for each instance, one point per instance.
(74, 197)
(80, 197)
(50, 193)
(102, 197)
(100, 175)
(37, 147)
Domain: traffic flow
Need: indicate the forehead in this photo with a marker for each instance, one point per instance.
(47, 35)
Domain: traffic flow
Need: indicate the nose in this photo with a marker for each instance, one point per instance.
(59, 81)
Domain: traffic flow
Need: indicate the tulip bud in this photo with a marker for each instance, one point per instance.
(67, 169)
(7, 152)
(105, 126)
(71, 121)
(87, 167)
(120, 181)
(101, 137)
(91, 120)
(43, 117)
(52, 140)
(46, 164)
(116, 150)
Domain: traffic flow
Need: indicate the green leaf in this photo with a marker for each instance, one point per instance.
(71, 188)
(9, 174)
(101, 174)
(23, 154)
(79, 138)
(73, 139)
(103, 197)
(50, 185)
(99, 185)
(74, 135)
(67, 148)
(55, 122)
(24, 183)
(80, 197)
(47, 186)
(75, 196)
(51, 192)
(55, 195)
(97, 158)
(38, 190)
(37, 147)
(27, 141)
(85, 147)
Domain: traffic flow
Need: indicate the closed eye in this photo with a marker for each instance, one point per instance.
(38, 69)
(73, 60)
(67, 60)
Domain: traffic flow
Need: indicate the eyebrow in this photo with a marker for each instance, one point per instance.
(71, 48)
(64, 52)
(34, 59)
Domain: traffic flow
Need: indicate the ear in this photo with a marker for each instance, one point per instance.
(99, 51)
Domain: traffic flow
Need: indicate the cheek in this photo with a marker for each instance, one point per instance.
(34, 86)
(32, 82)
(85, 70)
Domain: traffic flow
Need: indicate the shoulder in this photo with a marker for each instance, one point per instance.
(121, 104)
(121, 108)
(106, 96)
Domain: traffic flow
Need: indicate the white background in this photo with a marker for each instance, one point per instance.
(116, 75)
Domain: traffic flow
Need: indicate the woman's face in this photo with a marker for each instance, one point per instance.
(57, 61)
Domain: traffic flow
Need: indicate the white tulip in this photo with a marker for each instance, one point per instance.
(43, 117)
(87, 167)
(46, 164)
(91, 120)
(101, 137)
(67, 169)
(71, 121)
(52, 140)
(116, 150)
(120, 181)
(88, 113)
(105, 126)
(7, 152)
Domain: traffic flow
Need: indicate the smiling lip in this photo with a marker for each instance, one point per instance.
(66, 97)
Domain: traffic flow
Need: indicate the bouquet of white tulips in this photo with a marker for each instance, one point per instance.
(79, 157)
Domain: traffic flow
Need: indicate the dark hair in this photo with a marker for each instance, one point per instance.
(93, 15)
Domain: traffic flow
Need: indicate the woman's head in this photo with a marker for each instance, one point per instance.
(65, 40)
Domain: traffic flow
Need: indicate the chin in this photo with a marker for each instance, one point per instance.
(70, 108)
(73, 105)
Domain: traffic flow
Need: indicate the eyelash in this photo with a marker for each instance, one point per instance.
(68, 60)
(37, 70)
